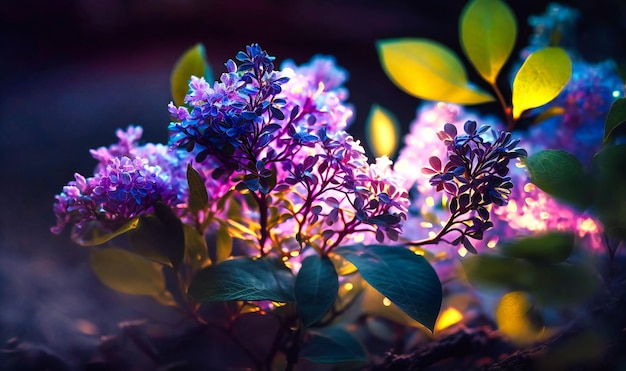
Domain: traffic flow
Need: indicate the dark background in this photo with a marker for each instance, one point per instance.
(73, 71)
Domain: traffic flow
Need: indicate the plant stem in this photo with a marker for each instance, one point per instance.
(508, 111)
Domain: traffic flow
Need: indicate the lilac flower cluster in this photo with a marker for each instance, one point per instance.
(474, 176)
(279, 135)
(128, 180)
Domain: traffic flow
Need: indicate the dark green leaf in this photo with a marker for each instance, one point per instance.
(615, 118)
(609, 176)
(554, 284)
(316, 288)
(550, 247)
(244, 279)
(332, 345)
(192, 62)
(407, 279)
(196, 250)
(159, 236)
(92, 235)
(198, 197)
(561, 175)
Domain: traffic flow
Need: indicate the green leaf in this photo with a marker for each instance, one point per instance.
(316, 288)
(428, 70)
(555, 284)
(159, 237)
(332, 345)
(224, 244)
(488, 31)
(128, 273)
(540, 79)
(615, 118)
(561, 175)
(198, 197)
(549, 247)
(382, 131)
(192, 62)
(244, 279)
(196, 250)
(609, 184)
(407, 279)
(91, 233)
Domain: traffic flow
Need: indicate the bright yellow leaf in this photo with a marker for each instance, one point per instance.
(488, 31)
(517, 319)
(540, 79)
(192, 62)
(382, 131)
(224, 244)
(129, 273)
(428, 70)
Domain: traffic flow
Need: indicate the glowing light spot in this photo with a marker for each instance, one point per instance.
(616, 93)
(419, 252)
(520, 164)
(529, 187)
(426, 225)
(462, 251)
(294, 253)
(86, 327)
(386, 302)
(348, 286)
(429, 201)
(432, 234)
(359, 237)
(512, 206)
(492, 243)
(448, 318)
(544, 215)
(444, 201)
(588, 225)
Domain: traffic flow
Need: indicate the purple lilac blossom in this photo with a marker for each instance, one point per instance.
(127, 181)
(280, 135)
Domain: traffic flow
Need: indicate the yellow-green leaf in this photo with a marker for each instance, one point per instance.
(428, 70)
(224, 244)
(91, 234)
(488, 31)
(196, 251)
(518, 319)
(540, 79)
(382, 131)
(192, 62)
(128, 273)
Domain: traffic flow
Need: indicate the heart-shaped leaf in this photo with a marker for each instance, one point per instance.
(316, 288)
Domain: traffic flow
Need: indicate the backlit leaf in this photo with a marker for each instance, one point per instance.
(244, 279)
(540, 79)
(382, 131)
(332, 345)
(488, 31)
(128, 273)
(406, 279)
(428, 70)
(615, 118)
(196, 251)
(224, 243)
(561, 175)
(518, 319)
(316, 288)
(609, 185)
(91, 234)
(198, 197)
(192, 62)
